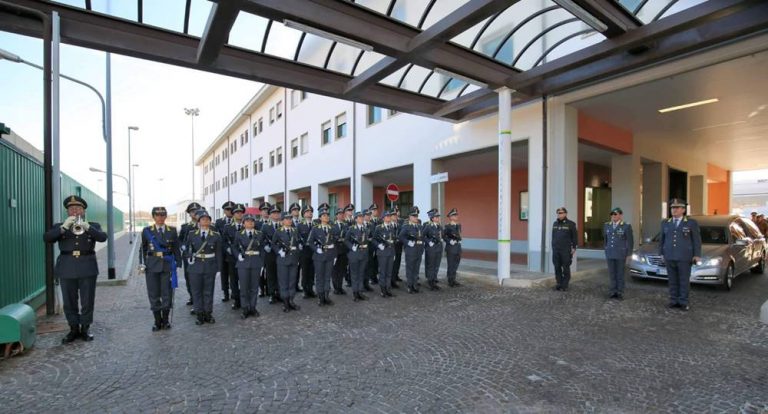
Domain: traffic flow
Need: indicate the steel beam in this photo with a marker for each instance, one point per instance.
(220, 21)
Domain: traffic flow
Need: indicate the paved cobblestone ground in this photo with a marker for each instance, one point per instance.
(478, 348)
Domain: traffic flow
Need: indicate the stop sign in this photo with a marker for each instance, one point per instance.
(393, 193)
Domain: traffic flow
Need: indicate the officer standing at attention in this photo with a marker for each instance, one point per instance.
(413, 241)
(220, 227)
(341, 263)
(372, 269)
(356, 238)
(452, 237)
(230, 232)
(322, 240)
(287, 242)
(260, 221)
(618, 245)
(160, 256)
(433, 252)
(350, 221)
(565, 238)
(76, 268)
(384, 237)
(247, 245)
(306, 266)
(680, 247)
(270, 254)
(186, 228)
(397, 224)
(204, 253)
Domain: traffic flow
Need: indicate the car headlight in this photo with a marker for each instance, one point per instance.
(638, 258)
(715, 261)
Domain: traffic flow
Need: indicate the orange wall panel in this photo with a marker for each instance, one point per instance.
(715, 173)
(718, 198)
(604, 135)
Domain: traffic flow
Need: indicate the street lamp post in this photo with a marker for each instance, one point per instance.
(193, 112)
(133, 191)
(105, 122)
(130, 191)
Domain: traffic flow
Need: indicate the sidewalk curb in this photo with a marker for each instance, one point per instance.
(123, 279)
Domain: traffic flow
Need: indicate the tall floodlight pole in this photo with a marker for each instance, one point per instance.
(193, 112)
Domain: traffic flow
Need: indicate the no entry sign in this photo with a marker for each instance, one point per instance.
(393, 193)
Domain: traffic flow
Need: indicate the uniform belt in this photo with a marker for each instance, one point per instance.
(78, 253)
(206, 256)
(362, 246)
(292, 248)
(159, 254)
(419, 242)
(251, 252)
(329, 246)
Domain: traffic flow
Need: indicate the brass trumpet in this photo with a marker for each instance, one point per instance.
(77, 227)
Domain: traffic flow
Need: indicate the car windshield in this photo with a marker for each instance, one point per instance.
(709, 235)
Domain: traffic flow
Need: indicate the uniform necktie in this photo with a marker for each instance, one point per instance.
(202, 237)
(677, 222)
(250, 235)
(614, 226)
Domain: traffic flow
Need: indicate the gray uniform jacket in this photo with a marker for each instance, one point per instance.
(384, 235)
(77, 258)
(359, 237)
(682, 242)
(324, 238)
(433, 233)
(208, 258)
(249, 248)
(618, 241)
(168, 241)
(288, 240)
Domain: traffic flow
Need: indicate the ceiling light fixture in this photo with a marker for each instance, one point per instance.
(688, 105)
(441, 71)
(327, 35)
(582, 14)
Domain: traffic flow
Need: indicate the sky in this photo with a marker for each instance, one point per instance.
(149, 95)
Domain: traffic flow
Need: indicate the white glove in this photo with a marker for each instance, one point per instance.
(431, 244)
(411, 243)
(85, 225)
(218, 275)
(142, 268)
(452, 242)
(381, 247)
(191, 260)
(267, 248)
(354, 247)
(183, 247)
(229, 250)
(300, 247)
(68, 222)
(240, 257)
(319, 250)
(282, 253)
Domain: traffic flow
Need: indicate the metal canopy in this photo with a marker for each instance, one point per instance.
(440, 59)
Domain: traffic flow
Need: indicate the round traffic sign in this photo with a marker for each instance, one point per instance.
(393, 193)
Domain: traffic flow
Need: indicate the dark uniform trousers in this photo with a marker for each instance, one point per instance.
(411, 234)
(158, 268)
(306, 261)
(433, 251)
(452, 238)
(372, 268)
(357, 245)
(77, 269)
(221, 227)
(270, 260)
(322, 239)
(398, 255)
(231, 260)
(287, 241)
(564, 238)
(340, 266)
(562, 258)
(202, 270)
(619, 242)
(678, 245)
(186, 228)
(249, 269)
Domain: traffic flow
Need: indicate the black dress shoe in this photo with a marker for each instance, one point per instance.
(158, 322)
(226, 297)
(74, 333)
(293, 305)
(368, 288)
(374, 281)
(166, 324)
(394, 285)
(272, 300)
(255, 313)
(327, 299)
(434, 286)
(672, 305)
(456, 284)
(341, 291)
(189, 302)
(245, 314)
(210, 318)
(236, 305)
(286, 306)
(299, 289)
(613, 296)
(619, 296)
(383, 293)
(84, 334)
(411, 290)
(685, 308)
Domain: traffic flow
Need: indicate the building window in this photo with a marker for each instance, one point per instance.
(255, 128)
(225, 154)
(374, 115)
(246, 135)
(246, 170)
(297, 97)
(255, 167)
(341, 126)
(271, 159)
(271, 116)
(261, 125)
(279, 109)
(304, 143)
(392, 112)
(261, 164)
(279, 155)
(325, 137)
(294, 148)
(224, 182)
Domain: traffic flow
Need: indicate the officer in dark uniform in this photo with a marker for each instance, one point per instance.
(270, 254)
(341, 262)
(680, 247)
(433, 251)
(247, 245)
(452, 238)
(288, 243)
(186, 228)
(412, 237)
(373, 262)
(384, 237)
(204, 253)
(160, 256)
(220, 227)
(565, 238)
(356, 239)
(322, 240)
(397, 223)
(618, 245)
(306, 265)
(230, 257)
(76, 267)
(368, 273)
(349, 220)
(260, 221)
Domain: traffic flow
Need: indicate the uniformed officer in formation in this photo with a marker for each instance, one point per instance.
(433, 251)
(204, 254)
(260, 221)
(306, 265)
(287, 242)
(220, 226)
(452, 238)
(230, 232)
(356, 239)
(76, 267)
(397, 224)
(247, 247)
(340, 266)
(349, 220)
(270, 254)
(186, 228)
(412, 237)
(322, 240)
(384, 236)
(373, 220)
(680, 247)
(160, 256)
(618, 245)
(565, 238)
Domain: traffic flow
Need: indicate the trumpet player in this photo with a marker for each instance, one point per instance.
(76, 268)
(160, 256)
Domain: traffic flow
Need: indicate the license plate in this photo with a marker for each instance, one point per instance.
(661, 271)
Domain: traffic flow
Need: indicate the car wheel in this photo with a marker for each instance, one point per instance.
(760, 268)
(728, 280)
